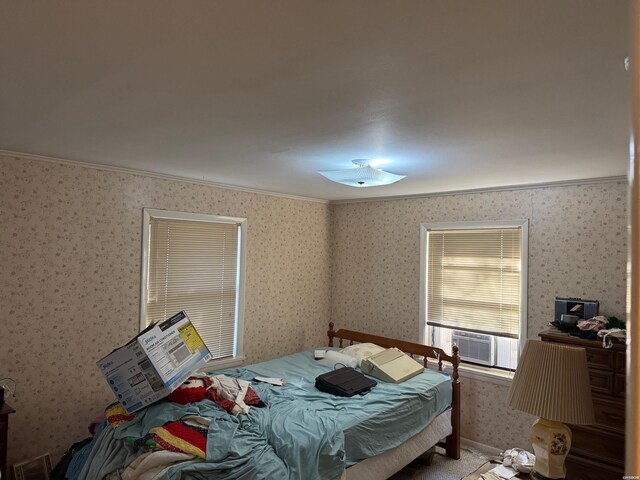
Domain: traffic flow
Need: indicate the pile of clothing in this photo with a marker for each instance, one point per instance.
(154, 441)
(606, 328)
(232, 394)
(512, 462)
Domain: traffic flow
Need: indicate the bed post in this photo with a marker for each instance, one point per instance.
(453, 440)
(331, 333)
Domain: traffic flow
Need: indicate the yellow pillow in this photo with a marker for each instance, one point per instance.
(360, 351)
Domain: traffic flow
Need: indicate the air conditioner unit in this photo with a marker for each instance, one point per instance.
(507, 352)
(475, 347)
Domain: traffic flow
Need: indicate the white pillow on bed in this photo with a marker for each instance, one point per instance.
(360, 351)
(333, 359)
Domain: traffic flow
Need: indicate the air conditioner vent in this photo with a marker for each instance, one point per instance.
(35, 469)
(475, 347)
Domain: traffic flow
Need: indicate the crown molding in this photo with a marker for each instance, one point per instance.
(146, 173)
(528, 186)
(177, 178)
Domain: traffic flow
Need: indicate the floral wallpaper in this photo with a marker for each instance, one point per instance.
(70, 278)
(577, 248)
(70, 283)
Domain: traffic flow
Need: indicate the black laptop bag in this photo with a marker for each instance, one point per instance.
(344, 382)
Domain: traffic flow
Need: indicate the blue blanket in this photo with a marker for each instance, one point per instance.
(371, 424)
(303, 434)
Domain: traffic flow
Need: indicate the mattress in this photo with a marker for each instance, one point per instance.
(372, 424)
(302, 433)
(386, 464)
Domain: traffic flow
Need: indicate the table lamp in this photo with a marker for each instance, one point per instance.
(552, 382)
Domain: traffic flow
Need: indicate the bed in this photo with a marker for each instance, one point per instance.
(445, 426)
(302, 433)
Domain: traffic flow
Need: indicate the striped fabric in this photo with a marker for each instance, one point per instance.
(117, 415)
(178, 436)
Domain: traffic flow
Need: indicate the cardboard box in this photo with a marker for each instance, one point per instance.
(154, 363)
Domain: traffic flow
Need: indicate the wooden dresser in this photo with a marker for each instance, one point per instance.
(597, 451)
(5, 411)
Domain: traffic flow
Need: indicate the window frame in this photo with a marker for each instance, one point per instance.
(147, 215)
(425, 228)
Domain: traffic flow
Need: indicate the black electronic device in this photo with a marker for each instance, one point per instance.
(583, 309)
(344, 382)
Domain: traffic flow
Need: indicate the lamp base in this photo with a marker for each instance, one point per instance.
(551, 443)
(538, 476)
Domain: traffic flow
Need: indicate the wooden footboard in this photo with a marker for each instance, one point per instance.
(425, 352)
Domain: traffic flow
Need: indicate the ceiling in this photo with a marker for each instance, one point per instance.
(454, 94)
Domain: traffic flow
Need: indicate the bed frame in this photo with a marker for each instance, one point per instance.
(426, 352)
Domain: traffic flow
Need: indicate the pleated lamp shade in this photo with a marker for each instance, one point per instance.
(552, 382)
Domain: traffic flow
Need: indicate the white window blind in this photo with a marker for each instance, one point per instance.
(473, 280)
(193, 266)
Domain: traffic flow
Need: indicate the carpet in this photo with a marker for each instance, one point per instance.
(442, 467)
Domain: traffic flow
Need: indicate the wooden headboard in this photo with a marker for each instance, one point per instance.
(410, 348)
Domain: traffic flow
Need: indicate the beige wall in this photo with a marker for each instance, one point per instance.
(70, 278)
(70, 283)
(577, 247)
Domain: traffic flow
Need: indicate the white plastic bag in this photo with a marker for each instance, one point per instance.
(518, 459)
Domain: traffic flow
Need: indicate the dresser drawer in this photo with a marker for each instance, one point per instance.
(601, 381)
(579, 468)
(620, 386)
(597, 451)
(610, 414)
(597, 444)
(600, 359)
(620, 362)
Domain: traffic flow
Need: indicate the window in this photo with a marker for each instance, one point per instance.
(473, 289)
(194, 262)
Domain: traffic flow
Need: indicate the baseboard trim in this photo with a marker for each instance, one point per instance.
(472, 445)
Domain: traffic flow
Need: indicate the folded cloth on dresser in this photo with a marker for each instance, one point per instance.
(607, 336)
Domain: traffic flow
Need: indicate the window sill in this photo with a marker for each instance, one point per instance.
(223, 364)
(485, 374)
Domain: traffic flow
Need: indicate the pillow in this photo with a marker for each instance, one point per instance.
(360, 351)
(332, 358)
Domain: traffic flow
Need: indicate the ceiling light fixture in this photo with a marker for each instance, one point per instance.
(364, 175)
